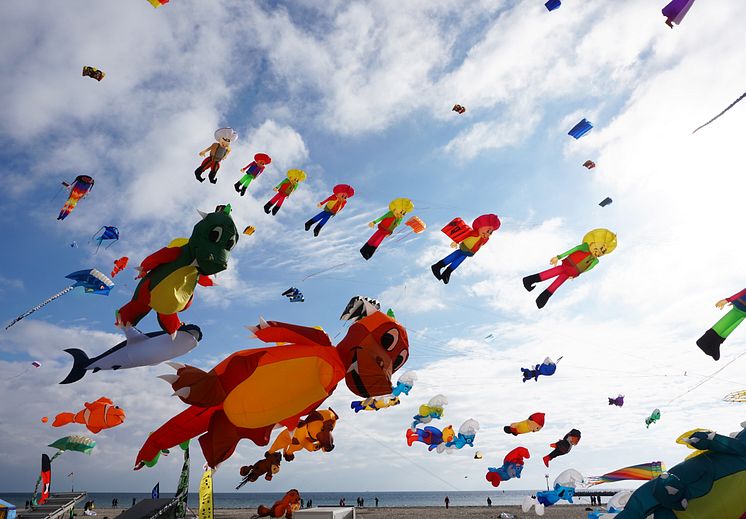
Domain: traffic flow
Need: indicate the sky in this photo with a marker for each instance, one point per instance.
(361, 93)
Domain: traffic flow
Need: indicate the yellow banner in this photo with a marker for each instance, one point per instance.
(205, 496)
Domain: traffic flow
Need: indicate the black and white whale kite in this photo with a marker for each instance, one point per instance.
(140, 349)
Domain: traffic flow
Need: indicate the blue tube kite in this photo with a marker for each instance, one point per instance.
(551, 5)
(580, 129)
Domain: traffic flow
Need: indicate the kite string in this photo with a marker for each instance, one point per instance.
(410, 460)
(707, 379)
(721, 113)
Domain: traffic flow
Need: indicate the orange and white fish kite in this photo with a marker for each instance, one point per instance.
(97, 416)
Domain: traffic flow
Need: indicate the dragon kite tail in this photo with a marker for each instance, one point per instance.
(182, 427)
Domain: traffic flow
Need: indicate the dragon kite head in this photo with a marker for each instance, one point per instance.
(212, 240)
(373, 349)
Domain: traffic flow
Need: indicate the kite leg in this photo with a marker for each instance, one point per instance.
(561, 272)
(453, 260)
(712, 339)
(243, 184)
(213, 176)
(559, 450)
(170, 323)
(131, 313)
(372, 244)
(322, 218)
(276, 201)
(182, 427)
(729, 322)
(202, 167)
(220, 440)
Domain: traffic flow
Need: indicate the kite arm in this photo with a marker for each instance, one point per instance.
(279, 186)
(329, 199)
(209, 148)
(205, 281)
(737, 296)
(387, 215)
(165, 255)
(275, 331)
(574, 249)
(704, 440)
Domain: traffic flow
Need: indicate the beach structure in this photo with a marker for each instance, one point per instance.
(7, 510)
(58, 506)
(152, 509)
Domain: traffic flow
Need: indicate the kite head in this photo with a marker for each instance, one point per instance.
(400, 206)
(405, 383)
(373, 349)
(434, 407)
(469, 429)
(573, 437)
(449, 434)
(485, 225)
(320, 425)
(226, 136)
(343, 191)
(600, 242)
(114, 415)
(212, 240)
(262, 159)
(291, 500)
(296, 175)
(84, 179)
(536, 421)
(92, 281)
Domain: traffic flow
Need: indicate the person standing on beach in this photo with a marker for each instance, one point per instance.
(447, 501)
(489, 501)
(376, 501)
(134, 500)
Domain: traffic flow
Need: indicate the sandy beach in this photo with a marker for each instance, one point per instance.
(457, 512)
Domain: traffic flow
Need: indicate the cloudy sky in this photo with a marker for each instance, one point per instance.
(360, 92)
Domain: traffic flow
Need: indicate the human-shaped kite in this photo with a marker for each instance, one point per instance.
(546, 368)
(217, 152)
(386, 225)
(284, 189)
(511, 468)
(562, 446)
(332, 206)
(252, 171)
(575, 261)
(468, 240)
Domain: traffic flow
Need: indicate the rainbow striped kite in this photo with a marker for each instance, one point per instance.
(644, 472)
(158, 3)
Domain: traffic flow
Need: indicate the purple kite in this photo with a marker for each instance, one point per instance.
(675, 11)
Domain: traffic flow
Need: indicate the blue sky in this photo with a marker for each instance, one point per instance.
(360, 93)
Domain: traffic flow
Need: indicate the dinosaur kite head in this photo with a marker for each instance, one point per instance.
(212, 240)
(373, 349)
